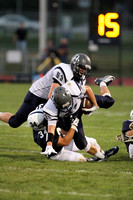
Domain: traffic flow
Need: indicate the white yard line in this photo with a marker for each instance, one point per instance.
(57, 193)
(62, 170)
(62, 193)
(21, 151)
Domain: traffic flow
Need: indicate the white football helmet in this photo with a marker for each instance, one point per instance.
(131, 114)
(36, 120)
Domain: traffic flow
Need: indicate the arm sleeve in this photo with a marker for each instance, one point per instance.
(125, 126)
(56, 138)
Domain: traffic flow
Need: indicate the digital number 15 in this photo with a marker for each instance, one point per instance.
(105, 21)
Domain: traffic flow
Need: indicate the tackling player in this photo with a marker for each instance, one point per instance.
(64, 144)
(41, 90)
(78, 70)
(63, 105)
(66, 106)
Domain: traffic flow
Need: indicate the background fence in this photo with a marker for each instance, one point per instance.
(112, 59)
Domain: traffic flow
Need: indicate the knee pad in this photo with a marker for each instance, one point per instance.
(13, 122)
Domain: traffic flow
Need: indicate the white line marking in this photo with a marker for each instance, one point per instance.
(63, 170)
(59, 193)
(21, 151)
(74, 193)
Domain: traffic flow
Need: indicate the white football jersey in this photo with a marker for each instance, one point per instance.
(77, 92)
(61, 72)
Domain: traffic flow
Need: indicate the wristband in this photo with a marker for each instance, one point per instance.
(50, 137)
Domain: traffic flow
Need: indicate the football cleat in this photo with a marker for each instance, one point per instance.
(111, 152)
(93, 159)
(108, 153)
(107, 79)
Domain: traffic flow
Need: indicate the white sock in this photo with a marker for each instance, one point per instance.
(131, 150)
(102, 84)
(100, 155)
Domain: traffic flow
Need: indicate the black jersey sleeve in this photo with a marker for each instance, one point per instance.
(125, 126)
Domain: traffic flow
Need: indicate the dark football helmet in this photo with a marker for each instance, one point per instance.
(62, 99)
(81, 65)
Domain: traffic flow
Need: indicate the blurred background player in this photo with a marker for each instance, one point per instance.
(63, 50)
(20, 38)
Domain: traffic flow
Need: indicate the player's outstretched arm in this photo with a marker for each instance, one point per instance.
(91, 96)
(65, 141)
(5, 117)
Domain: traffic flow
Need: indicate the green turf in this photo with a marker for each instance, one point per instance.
(25, 174)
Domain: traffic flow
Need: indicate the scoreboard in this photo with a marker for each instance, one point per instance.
(104, 28)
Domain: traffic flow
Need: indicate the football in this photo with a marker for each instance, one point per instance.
(86, 103)
(36, 119)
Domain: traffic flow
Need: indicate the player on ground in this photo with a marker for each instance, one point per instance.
(127, 135)
(63, 105)
(63, 142)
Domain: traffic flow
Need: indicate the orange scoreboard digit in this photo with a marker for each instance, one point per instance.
(105, 28)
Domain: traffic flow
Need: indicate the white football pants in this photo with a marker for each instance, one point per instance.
(69, 153)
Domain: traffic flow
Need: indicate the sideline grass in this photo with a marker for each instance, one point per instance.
(25, 174)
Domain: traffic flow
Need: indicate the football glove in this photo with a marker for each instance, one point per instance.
(89, 111)
(49, 151)
(131, 125)
(75, 122)
(124, 138)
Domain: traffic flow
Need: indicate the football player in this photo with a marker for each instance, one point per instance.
(63, 142)
(66, 148)
(63, 105)
(127, 135)
(78, 69)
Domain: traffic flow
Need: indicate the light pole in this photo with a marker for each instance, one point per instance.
(43, 25)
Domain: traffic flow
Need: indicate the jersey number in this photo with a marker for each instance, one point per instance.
(59, 76)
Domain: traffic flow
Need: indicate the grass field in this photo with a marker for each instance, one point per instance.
(27, 175)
